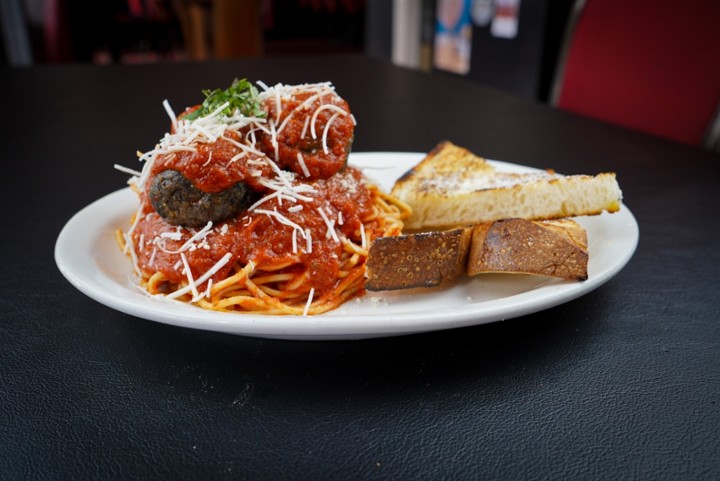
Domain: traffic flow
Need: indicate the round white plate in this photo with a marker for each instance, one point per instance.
(87, 254)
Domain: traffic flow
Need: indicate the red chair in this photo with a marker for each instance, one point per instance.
(649, 65)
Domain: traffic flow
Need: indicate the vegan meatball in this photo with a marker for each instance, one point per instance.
(313, 130)
(179, 202)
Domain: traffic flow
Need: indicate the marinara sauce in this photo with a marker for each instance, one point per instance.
(309, 134)
(344, 199)
(319, 127)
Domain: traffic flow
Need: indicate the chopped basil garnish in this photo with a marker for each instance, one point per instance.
(241, 95)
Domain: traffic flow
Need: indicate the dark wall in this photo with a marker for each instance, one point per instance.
(524, 65)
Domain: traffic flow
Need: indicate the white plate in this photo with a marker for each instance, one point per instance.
(88, 256)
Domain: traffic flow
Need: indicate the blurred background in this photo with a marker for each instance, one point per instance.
(137, 31)
(650, 65)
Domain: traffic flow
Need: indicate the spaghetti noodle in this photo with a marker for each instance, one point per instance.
(301, 246)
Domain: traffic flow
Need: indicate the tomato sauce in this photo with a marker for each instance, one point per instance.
(344, 198)
(305, 120)
(215, 166)
(310, 135)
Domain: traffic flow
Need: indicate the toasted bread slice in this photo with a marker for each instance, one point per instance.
(452, 187)
(556, 248)
(417, 260)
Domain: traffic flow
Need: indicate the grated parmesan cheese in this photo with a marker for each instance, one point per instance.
(283, 186)
(304, 168)
(210, 272)
(188, 274)
(330, 226)
(309, 301)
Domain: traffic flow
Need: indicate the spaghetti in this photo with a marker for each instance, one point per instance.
(300, 246)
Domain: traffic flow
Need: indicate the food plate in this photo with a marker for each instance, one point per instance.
(87, 254)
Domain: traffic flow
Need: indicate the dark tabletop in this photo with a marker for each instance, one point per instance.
(622, 383)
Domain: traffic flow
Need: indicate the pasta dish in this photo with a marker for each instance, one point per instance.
(248, 204)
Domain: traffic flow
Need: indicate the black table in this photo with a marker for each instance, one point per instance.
(623, 383)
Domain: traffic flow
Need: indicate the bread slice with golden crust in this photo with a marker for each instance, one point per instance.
(453, 187)
(555, 248)
(417, 260)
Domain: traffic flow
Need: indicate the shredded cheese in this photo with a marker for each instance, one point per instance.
(188, 274)
(305, 127)
(127, 170)
(170, 113)
(325, 131)
(208, 274)
(309, 301)
(205, 293)
(303, 166)
(363, 237)
(209, 159)
(308, 241)
(340, 111)
(274, 214)
(282, 185)
(330, 226)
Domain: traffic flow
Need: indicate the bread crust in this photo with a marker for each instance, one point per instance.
(417, 260)
(555, 248)
(453, 187)
(470, 219)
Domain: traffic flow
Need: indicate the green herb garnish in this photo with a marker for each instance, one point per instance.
(241, 95)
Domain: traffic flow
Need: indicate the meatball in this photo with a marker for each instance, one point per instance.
(179, 202)
(315, 133)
